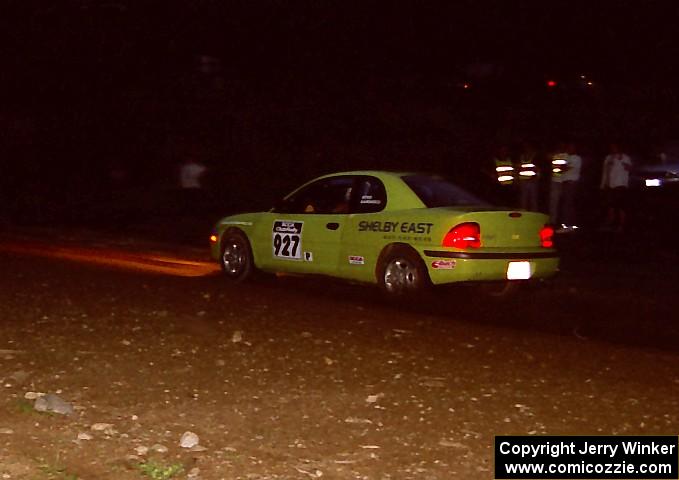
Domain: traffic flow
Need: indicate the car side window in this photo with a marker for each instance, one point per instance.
(325, 196)
(370, 195)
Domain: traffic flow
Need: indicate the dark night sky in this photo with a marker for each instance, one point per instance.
(614, 40)
(95, 82)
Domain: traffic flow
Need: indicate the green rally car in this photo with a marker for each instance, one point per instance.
(401, 231)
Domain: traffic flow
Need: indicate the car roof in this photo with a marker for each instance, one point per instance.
(374, 173)
(659, 167)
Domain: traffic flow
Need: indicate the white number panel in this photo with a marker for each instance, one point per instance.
(287, 239)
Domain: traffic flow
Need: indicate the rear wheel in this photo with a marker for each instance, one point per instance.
(236, 256)
(401, 272)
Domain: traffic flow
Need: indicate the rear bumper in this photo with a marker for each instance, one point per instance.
(452, 267)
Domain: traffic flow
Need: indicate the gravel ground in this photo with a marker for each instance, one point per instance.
(295, 379)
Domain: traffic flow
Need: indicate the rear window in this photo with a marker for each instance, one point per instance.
(435, 191)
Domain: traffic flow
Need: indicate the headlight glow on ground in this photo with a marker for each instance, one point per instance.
(144, 261)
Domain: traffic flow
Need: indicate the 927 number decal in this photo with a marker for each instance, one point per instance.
(286, 245)
(287, 239)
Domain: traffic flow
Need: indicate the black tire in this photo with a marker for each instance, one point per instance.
(402, 273)
(236, 257)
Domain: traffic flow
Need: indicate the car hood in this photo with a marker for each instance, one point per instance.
(658, 168)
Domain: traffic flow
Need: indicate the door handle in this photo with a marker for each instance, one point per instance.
(332, 226)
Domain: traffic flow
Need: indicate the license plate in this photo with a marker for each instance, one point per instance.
(518, 271)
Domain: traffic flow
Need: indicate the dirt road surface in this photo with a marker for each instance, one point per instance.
(296, 378)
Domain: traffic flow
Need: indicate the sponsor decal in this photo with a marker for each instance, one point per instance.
(356, 260)
(368, 199)
(377, 226)
(443, 264)
(407, 238)
(308, 256)
(287, 239)
(386, 227)
(282, 226)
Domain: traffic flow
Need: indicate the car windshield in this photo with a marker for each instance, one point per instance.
(435, 191)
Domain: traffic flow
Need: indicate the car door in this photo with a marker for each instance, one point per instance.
(366, 229)
(307, 227)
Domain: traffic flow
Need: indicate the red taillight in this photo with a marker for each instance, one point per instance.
(546, 236)
(464, 235)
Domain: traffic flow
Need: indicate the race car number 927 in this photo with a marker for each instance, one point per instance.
(287, 239)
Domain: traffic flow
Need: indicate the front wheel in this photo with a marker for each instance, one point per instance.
(236, 257)
(402, 273)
